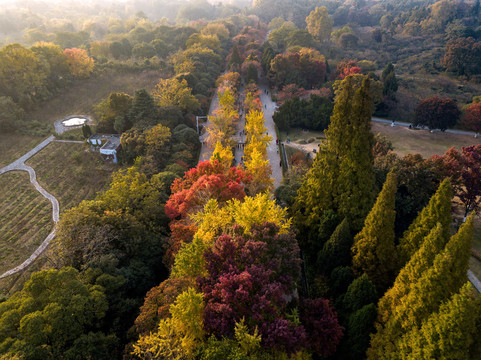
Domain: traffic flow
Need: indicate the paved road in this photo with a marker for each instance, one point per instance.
(19, 165)
(272, 148)
(206, 151)
(406, 124)
(474, 280)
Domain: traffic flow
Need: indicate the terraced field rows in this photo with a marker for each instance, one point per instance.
(70, 172)
(25, 219)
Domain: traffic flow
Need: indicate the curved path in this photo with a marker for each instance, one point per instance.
(19, 165)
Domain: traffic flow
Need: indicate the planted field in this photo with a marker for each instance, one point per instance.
(71, 172)
(13, 146)
(25, 219)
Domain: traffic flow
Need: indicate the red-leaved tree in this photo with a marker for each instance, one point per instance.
(209, 180)
(472, 117)
(437, 112)
(254, 277)
(464, 168)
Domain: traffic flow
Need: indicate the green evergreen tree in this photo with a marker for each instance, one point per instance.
(267, 56)
(420, 262)
(86, 131)
(447, 334)
(340, 279)
(436, 285)
(337, 250)
(356, 183)
(390, 86)
(389, 69)
(374, 250)
(143, 109)
(361, 292)
(389, 81)
(359, 326)
(341, 181)
(437, 210)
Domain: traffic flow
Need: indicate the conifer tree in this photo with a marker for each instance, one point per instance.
(443, 279)
(341, 181)
(337, 250)
(420, 262)
(374, 250)
(437, 210)
(447, 334)
(356, 183)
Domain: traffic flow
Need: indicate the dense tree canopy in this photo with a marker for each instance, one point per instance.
(319, 24)
(56, 315)
(437, 113)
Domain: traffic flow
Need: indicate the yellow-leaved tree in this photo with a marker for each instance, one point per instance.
(257, 166)
(223, 154)
(175, 92)
(179, 336)
(319, 24)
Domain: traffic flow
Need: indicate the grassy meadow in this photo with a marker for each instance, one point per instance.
(409, 141)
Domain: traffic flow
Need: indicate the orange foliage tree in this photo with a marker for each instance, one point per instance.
(80, 64)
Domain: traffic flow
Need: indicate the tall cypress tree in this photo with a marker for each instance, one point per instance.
(450, 333)
(437, 210)
(420, 262)
(341, 181)
(442, 280)
(374, 250)
(356, 182)
(337, 250)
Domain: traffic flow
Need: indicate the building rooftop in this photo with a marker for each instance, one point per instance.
(112, 143)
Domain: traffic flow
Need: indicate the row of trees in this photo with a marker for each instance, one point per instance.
(232, 287)
(351, 243)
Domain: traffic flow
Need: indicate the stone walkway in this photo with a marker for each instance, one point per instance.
(272, 148)
(273, 153)
(19, 165)
(206, 151)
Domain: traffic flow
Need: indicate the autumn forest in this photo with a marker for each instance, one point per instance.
(252, 194)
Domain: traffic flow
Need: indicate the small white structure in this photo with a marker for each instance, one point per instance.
(75, 121)
(109, 145)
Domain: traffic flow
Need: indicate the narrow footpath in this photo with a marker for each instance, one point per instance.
(206, 151)
(19, 165)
